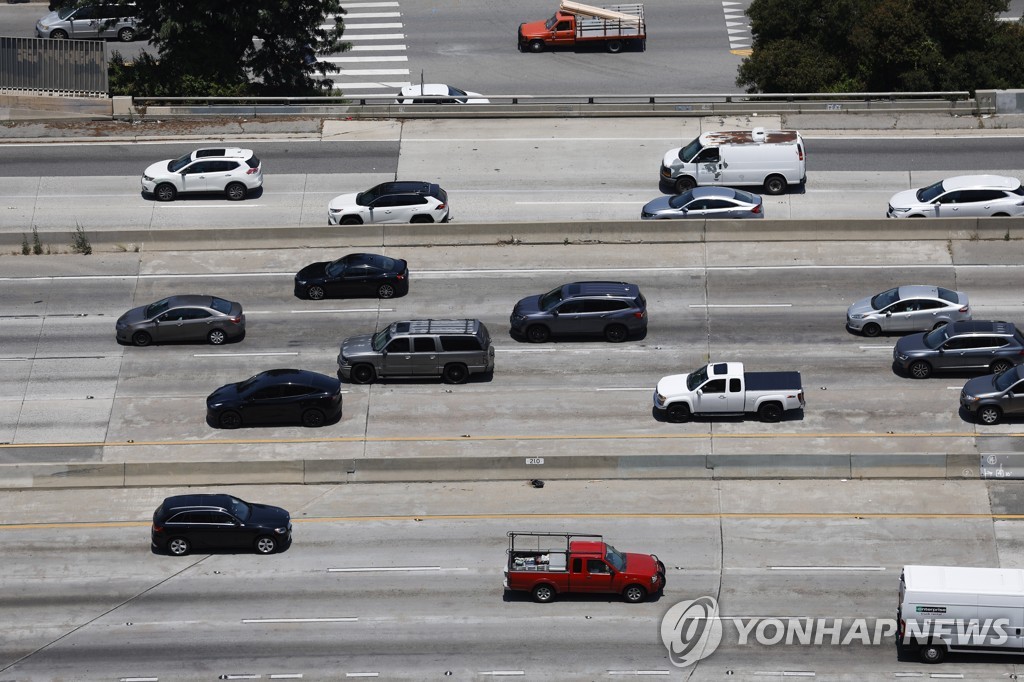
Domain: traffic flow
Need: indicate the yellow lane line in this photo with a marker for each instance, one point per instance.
(452, 439)
(612, 516)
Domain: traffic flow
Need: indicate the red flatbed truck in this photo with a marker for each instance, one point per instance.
(574, 24)
(549, 564)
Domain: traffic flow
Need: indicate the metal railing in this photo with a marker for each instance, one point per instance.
(43, 66)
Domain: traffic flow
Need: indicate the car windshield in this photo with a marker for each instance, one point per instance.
(550, 23)
(248, 383)
(179, 163)
(680, 200)
(240, 509)
(220, 305)
(550, 299)
(381, 338)
(460, 95)
(336, 268)
(65, 12)
(694, 380)
(886, 298)
(691, 150)
(1005, 380)
(936, 337)
(615, 558)
(928, 193)
(154, 309)
(367, 197)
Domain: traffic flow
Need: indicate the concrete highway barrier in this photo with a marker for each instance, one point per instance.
(446, 469)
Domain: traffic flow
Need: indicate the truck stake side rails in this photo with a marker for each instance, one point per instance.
(616, 27)
(723, 388)
(952, 608)
(549, 564)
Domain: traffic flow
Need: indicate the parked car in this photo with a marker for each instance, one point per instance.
(705, 202)
(294, 396)
(961, 196)
(450, 349)
(182, 318)
(89, 21)
(614, 310)
(910, 308)
(990, 397)
(974, 345)
(200, 521)
(229, 170)
(391, 202)
(357, 274)
(438, 93)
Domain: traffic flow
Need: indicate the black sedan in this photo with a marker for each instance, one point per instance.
(184, 522)
(182, 318)
(357, 274)
(277, 396)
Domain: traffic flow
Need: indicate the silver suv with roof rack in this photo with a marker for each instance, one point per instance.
(450, 349)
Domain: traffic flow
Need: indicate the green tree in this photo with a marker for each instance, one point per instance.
(226, 47)
(881, 46)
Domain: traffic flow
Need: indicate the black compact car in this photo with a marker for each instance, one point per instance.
(182, 318)
(277, 396)
(357, 274)
(614, 310)
(186, 522)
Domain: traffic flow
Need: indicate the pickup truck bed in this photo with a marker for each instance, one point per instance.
(772, 381)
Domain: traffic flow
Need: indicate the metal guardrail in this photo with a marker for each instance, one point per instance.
(43, 66)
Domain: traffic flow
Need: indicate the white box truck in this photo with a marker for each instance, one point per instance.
(770, 159)
(950, 608)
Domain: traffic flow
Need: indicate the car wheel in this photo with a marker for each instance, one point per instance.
(385, 291)
(538, 333)
(1000, 215)
(616, 333)
(141, 339)
(932, 653)
(59, 35)
(236, 191)
(315, 292)
(1000, 366)
(217, 336)
(126, 35)
(989, 415)
(634, 594)
(679, 412)
(685, 184)
(178, 546)
(871, 329)
(543, 594)
(455, 373)
(940, 325)
(421, 219)
(614, 46)
(266, 544)
(165, 192)
(313, 419)
(769, 412)
(363, 374)
(351, 220)
(230, 420)
(919, 369)
(536, 46)
(774, 184)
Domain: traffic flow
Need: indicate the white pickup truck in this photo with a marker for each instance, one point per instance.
(723, 388)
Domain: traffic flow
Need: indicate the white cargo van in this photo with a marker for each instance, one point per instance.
(771, 159)
(947, 608)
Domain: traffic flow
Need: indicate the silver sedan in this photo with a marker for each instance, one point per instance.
(705, 202)
(910, 308)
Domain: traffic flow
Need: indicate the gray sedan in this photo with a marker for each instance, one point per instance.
(912, 308)
(182, 318)
(705, 202)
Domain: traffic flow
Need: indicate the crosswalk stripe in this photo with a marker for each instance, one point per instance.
(354, 27)
(382, 58)
(368, 48)
(371, 15)
(350, 5)
(379, 36)
(372, 72)
(372, 86)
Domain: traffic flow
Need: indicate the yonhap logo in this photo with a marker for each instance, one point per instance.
(691, 630)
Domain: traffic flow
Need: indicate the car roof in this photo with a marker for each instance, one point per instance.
(189, 299)
(278, 377)
(917, 291)
(222, 152)
(711, 192)
(409, 187)
(429, 90)
(197, 500)
(623, 289)
(436, 327)
(980, 327)
(980, 181)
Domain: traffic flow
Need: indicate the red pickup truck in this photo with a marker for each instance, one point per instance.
(575, 24)
(549, 564)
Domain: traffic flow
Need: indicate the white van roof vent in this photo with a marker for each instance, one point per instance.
(757, 134)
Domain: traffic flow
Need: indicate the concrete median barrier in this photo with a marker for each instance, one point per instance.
(159, 474)
(91, 475)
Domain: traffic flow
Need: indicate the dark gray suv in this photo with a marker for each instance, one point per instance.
(614, 310)
(972, 345)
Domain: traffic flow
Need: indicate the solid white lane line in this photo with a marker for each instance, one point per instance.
(206, 206)
(741, 305)
(502, 673)
(242, 355)
(251, 621)
(826, 568)
(639, 672)
(875, 347)
(645, 389)
(366, 569)
(139, 679)
(362, 674)
(343, 310)
(946, 676)
(286, 676)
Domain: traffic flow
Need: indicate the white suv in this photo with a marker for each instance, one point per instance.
(968, 196)
(230, 170)
(403, 201)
